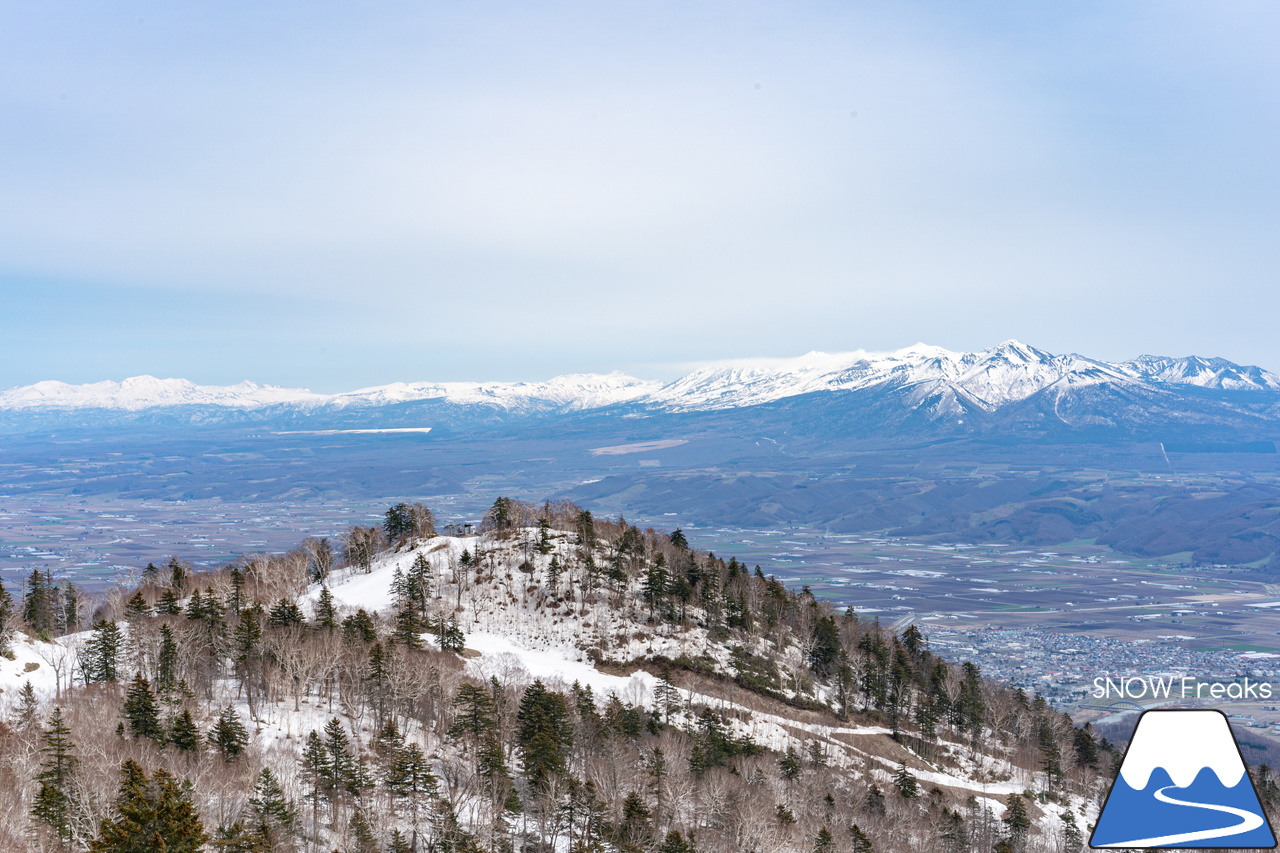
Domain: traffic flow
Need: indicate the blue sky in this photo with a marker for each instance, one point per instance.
(334, 195)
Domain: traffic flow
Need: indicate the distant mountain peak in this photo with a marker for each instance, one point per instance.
(947, 384)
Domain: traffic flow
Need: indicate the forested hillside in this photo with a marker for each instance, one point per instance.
(554, 682)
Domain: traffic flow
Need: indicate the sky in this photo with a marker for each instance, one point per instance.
(336, 195)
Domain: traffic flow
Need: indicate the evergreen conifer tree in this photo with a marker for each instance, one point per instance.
(155, 814)
(408, 627)
(398, 843)
(142, 712)
(676, 843)
(69, 618)
(268, 802)
(136, 607)
(166, 661)
(449, 635)
(228, 735)
(474, 713)
(28, 708)
(183, 733)
(544, 733)
(789, 764)
(52, 804)
(170, 603)
(177, 576)
(102, 653)
(326, 613)
(285, 614)
(363, 840)
(905, 781)
(1017, 821)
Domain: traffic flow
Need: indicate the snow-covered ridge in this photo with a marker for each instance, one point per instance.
(146, 392)
(571, 392)
(987, 379)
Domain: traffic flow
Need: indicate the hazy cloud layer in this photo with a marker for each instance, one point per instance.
(325, 195)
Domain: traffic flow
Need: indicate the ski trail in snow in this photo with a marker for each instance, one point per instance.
(1249, 821)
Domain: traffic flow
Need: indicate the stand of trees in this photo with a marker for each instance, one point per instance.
(244, 710)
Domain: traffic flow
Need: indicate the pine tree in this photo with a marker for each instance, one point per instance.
(358, 627)
(860, 842)
(342, 769)
(970, 710)
(419, 583)
(228, 735)
(1085, 746)
(316, 768)
(905, 781)
(361, 835)
(102, 653)
(1072, 837)
(657, 582)
(39, 605)
(667, 697)
(409, 776)
(136, 607)
(239, 838)
(474, 717)
(177, 576)
(789, 764)
(142, 712)
(823, 840)
(676, 843)
(400, 589)
(28, 709)
(824, 656)
(166, 661)
(70, 615)
(449, 635)
(1017, 821)
(500, 515)
(52, 802)
(544, 733)
(183, 733)
(154, 815)
(634, 830)
(236, 600)
(408, 628)
(398, 843)
(170, 603)
(268, 802)
(398, 521)
(491, 765)
(326, 613)
(285, 614)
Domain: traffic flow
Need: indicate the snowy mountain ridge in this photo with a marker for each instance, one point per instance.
(989, 379)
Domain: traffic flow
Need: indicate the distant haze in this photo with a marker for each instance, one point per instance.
(338, 196)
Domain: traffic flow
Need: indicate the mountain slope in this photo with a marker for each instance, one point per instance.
(558, 682)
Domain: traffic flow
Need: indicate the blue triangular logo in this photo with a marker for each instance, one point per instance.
(1183, 784)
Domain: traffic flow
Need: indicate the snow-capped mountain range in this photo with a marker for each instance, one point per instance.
(987, 380)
